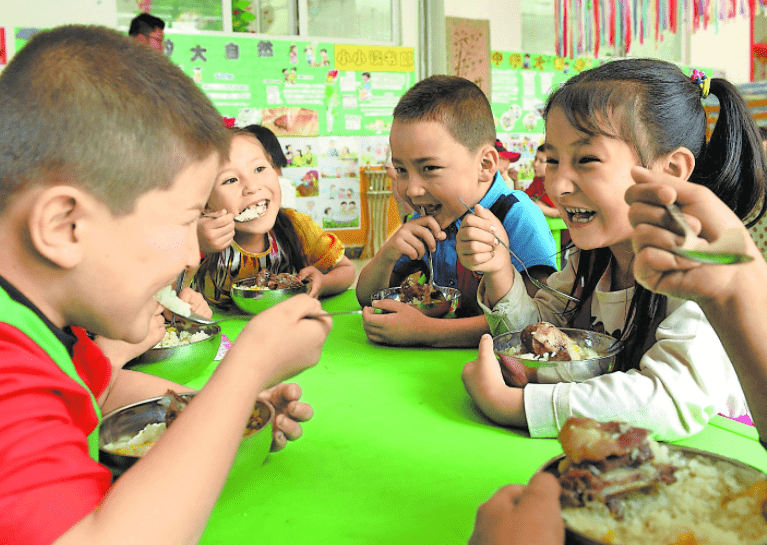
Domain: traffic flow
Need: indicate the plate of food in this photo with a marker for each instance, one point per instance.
(423, 296)
(545, 353)
(621, 487)
(256, 294)
(126, 434)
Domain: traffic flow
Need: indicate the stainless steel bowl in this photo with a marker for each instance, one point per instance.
(184, 362)
(745, 472)
(560, 371)
(253, 301)
(435, 310)
(127, 421)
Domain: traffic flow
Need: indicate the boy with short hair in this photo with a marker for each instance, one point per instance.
(108, 153)
(443, 147)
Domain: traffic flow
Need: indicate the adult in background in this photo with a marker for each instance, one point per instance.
(149, 30)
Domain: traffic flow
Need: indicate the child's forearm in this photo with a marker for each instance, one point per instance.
(497, 285)
(740, 320)
(547, 210)
(339, 278)
(129, 387)
(373, 277)
(456, 332)
(205, 436)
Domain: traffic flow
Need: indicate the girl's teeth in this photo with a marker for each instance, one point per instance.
(252, 212)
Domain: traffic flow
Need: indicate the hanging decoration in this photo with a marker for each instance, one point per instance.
(583, 27)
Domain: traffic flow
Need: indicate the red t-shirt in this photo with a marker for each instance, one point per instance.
(536, 191)
(48, 481)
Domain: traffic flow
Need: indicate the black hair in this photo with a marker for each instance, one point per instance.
(763, 133)
(270, 143)
(456, 103)
(653, 107)
(144, 24)
(284, 231)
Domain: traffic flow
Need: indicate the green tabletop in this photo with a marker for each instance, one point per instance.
(395, 453)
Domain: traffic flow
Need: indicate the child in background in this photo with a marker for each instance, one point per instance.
(673, 374)
(536, 189)
(89, 237)
(266, 236)
(442, 141)
(505, 159)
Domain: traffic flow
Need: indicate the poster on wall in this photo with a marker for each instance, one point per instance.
(329, 104)
(521, 82)
(324, 102)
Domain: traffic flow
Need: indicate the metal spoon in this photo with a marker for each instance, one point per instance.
(434, 287)
(534, 280)
(728, 249)
(194, 317)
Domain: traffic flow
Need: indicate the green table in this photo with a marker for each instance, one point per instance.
(396, 452)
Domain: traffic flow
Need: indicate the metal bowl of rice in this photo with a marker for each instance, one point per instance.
(715, 499)
(252, 299)
(434, 309)
(121, 446)
(185, 351)
(601, 348)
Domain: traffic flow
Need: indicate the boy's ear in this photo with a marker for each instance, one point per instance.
(488, 163)
(54, 219)
(679, 163)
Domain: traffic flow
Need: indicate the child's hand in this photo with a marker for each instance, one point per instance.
(121, 352)
(516, 514)
(655, 267)
(216, 232)
(289, 412)
(476, 245)
(484, 382)
(196, 302)
(412, 239)
(285, 341)
(400, 325)
(314, 276)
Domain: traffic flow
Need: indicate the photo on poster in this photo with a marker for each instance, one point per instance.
(342, 205)
(373, 150)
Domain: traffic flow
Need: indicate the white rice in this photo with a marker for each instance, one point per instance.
(167, 297)
(139, 443)
(693, 504)
(174, 337)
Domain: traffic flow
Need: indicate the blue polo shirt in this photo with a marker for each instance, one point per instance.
(529, 237)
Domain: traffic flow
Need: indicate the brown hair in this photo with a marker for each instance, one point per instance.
(87, 106)
(457, 103)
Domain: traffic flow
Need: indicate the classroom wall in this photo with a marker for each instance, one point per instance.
(47, 13)
(727, 50)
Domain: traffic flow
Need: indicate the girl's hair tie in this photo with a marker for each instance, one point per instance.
(699, 78)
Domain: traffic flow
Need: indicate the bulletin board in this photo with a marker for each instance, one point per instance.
(521, 83)
(329, 104)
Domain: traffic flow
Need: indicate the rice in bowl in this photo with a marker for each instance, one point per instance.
(175, 337)
(712, 501)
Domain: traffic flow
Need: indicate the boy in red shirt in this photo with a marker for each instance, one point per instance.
(536, 190)
(99, 203)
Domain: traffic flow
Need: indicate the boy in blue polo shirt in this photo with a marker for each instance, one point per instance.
(443, 147)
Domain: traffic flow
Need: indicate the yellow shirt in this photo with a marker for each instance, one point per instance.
(219, 271)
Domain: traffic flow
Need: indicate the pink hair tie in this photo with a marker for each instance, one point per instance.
(699, 78)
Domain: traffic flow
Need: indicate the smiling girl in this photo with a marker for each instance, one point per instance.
(673, 374)
(266, 236)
